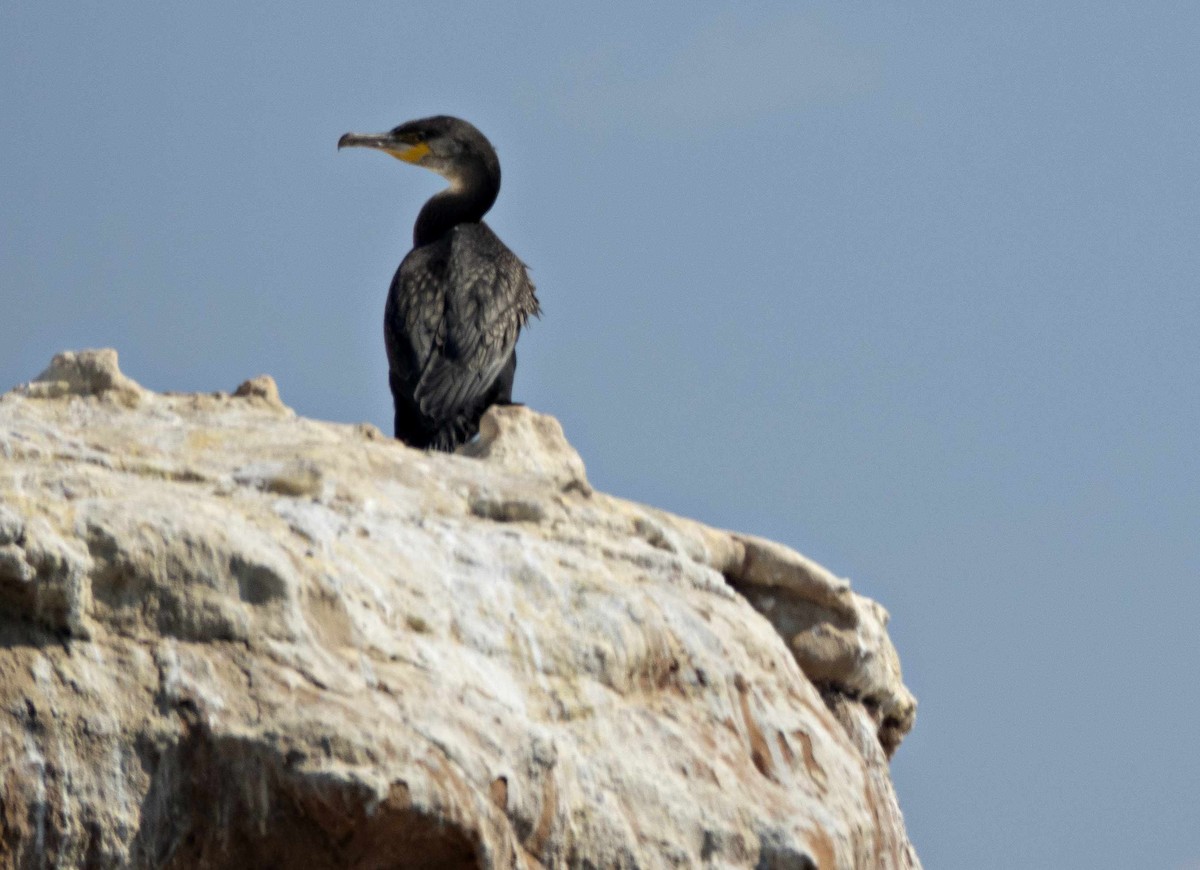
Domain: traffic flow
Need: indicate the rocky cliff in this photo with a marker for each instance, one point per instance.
(233, 637)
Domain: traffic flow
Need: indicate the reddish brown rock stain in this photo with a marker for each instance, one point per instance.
(760, 752)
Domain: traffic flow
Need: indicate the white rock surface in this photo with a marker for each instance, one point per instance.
(232, 637)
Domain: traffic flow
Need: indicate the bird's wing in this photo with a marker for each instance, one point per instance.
(416, 306)
(487, 297)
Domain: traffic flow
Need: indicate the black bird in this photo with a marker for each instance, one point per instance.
(460, 296)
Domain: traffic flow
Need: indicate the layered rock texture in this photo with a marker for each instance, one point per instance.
(233, 637)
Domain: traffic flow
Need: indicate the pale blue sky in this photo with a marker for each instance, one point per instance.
(912, 289)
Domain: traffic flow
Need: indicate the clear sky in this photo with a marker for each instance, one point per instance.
(909, 287)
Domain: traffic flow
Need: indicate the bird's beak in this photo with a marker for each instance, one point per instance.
(406, 151)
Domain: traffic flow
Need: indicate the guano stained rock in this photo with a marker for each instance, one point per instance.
(234, 637)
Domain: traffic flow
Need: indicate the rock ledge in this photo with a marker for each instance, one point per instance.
(233, 637)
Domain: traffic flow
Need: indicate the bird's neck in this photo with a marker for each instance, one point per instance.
(467, 200)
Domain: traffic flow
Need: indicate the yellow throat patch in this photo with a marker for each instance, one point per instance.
(411, 155)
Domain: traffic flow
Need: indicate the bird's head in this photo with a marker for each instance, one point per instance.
(449, 146)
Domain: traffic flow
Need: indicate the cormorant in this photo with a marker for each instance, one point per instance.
(460, 296)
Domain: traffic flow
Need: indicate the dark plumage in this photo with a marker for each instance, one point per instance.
(460, 296)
